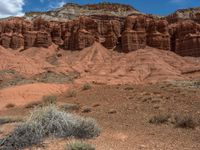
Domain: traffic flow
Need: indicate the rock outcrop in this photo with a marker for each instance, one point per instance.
(184, 14)
(124, 33)
(186, 38)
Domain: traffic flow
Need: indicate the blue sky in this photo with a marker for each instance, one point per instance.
(159, 7)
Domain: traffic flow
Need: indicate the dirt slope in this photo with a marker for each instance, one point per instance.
(100, 65)
(25, 94)
(13, 60)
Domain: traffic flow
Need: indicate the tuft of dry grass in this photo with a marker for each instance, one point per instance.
(159, 119)
(71, 93)
(185, 122)
(9, 119)
(33, 104)
(79, 145)
(50, 99)
(69, 107)
(86, 86)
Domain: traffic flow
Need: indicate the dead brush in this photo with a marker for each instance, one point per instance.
(48, 121)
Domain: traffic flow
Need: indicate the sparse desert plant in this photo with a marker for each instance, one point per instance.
(197, 84)
(71, 93)
(68, 107)
(46, 100)
(53, 60)
(8, 119)
(86, 86)
(160, 119)
(185, 122)
(129, 88)
(10, 105)
(49, 121)
(77, 145)
(50, 99)
(33, 104)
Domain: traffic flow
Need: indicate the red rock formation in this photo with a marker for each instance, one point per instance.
(158, 35)
(186, 38)
(134, 36)
(189, 45)
(130, 33)
(133, 40)
(82, 39)
(17, 41)
(5, 40)
(56, 34)
(29, 39)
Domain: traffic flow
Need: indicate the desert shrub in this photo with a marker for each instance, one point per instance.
(33, 104)
(185, 122)
(49, 121)
(52, 77)
(5, 120)
(86, 86)
(197, 84)
(71, 93)
(77, 145)
(46, 100)
(10, 105)
(68, 107)
(159, 119)
(53, 60)
(50, 99)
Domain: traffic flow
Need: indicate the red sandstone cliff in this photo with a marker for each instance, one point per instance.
(126, 34)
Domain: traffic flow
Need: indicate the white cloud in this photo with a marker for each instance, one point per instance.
(177, 1)
(11, 8)
(56, 4)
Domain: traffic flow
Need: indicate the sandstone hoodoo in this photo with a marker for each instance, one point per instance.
(124, 29)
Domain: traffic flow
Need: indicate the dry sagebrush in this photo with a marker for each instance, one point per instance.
(49, 121)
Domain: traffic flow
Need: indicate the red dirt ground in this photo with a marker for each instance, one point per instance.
(110, 72)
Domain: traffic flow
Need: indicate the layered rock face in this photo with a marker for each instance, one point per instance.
(144, 31)
(125, 34)
(134, 35)
(185, 14)
(186, 37)
(158, 34)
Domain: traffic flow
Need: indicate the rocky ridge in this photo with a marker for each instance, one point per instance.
(71, 11)
(185, 14)
(124, 33)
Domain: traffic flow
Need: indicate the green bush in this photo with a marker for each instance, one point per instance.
(79, 146)
(49, 121)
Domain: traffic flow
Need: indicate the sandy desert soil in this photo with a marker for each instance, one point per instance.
(124, 111)
(127, 91)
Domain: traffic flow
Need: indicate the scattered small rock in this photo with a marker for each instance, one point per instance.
(96, 105)
(142, 147)
(59, 55)
(112, 111)
(156, 106)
